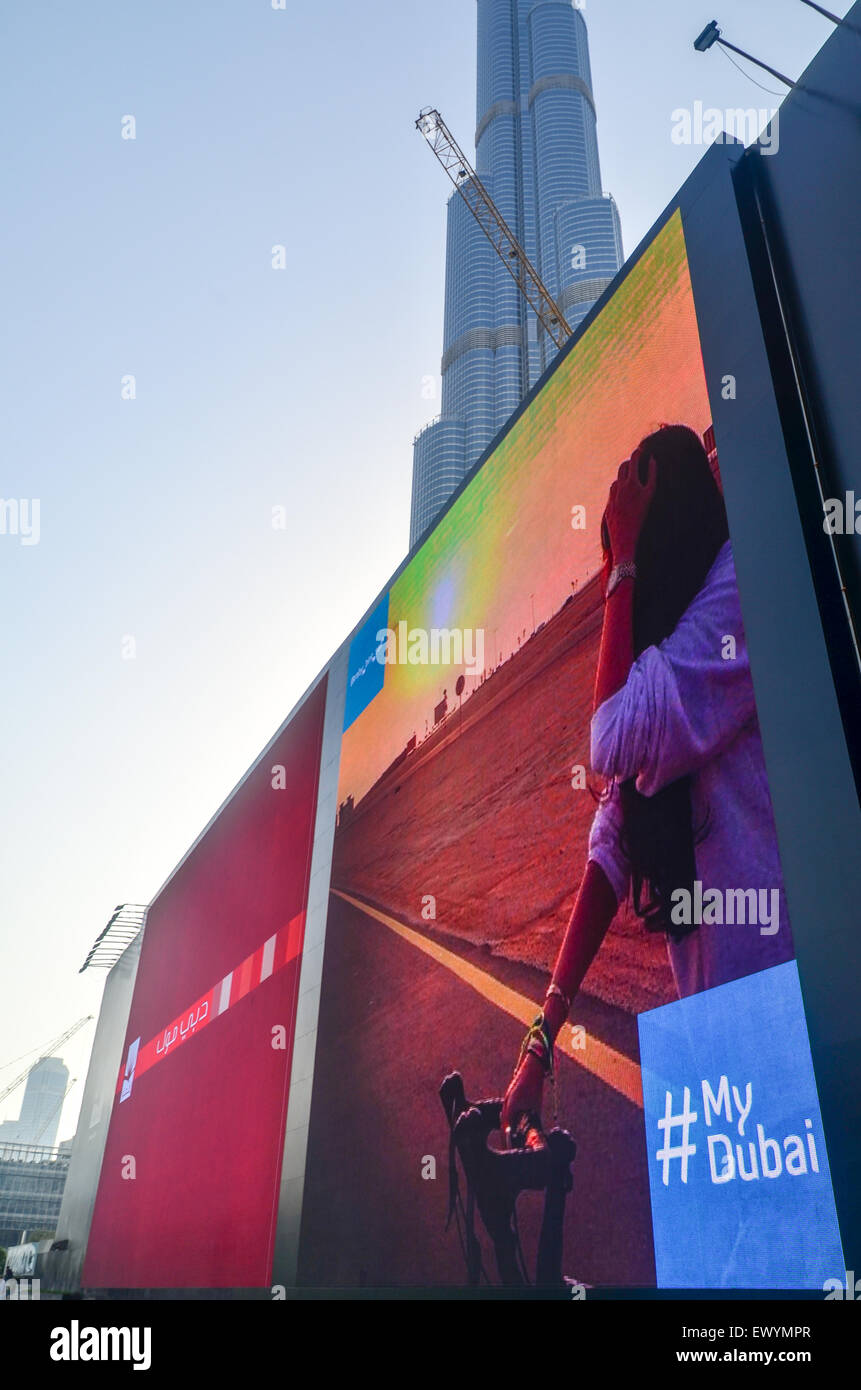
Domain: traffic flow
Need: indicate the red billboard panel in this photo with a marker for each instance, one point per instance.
(188, 1191)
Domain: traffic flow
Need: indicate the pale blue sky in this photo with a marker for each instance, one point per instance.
(255, 388)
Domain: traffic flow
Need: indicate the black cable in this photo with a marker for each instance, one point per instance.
(748, 76)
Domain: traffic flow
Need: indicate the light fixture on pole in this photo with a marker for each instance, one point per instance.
(712, 35)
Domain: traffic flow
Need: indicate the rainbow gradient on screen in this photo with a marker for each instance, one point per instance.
(506, 549)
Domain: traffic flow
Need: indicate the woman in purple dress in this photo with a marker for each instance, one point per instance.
(686, 823)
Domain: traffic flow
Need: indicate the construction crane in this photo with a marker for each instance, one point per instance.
(49, 1052)
(455, 163)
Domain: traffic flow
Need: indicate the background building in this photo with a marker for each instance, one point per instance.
(537, 155)
(32, 1179)
(41, 1106)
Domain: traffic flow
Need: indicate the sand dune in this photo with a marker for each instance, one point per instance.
(483, 817)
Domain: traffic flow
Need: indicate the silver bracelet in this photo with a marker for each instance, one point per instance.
(627, 570)
(554, 989)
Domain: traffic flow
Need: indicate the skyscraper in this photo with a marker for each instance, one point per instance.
(41, 1105)
(537, 155)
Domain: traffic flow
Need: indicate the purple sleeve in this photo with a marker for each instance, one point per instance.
(605, 845)
(685, 701)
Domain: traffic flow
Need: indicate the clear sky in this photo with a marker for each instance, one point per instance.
(255, 388)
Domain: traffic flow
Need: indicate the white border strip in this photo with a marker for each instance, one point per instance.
(292, 1187)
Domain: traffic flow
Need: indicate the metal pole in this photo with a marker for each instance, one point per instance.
(835, 19)
(779, 75)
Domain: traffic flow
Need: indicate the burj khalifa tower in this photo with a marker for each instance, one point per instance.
(537, 154)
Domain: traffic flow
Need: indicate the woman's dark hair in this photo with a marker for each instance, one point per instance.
(685, 527)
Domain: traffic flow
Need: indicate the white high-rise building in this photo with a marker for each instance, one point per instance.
(41, 1105)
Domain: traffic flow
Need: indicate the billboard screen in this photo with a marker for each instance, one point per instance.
(543, 749)
(189, 1185)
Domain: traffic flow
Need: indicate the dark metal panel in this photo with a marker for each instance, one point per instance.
(812, 784)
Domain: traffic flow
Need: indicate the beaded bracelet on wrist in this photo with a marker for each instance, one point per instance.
(539, 1044)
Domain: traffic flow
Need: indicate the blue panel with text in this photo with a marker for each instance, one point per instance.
(365, 671)
(738, 1172)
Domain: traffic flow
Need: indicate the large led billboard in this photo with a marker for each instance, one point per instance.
(586, 737)
(189, 1185)
(552, 745)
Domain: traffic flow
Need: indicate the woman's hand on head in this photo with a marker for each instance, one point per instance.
(628, 507)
